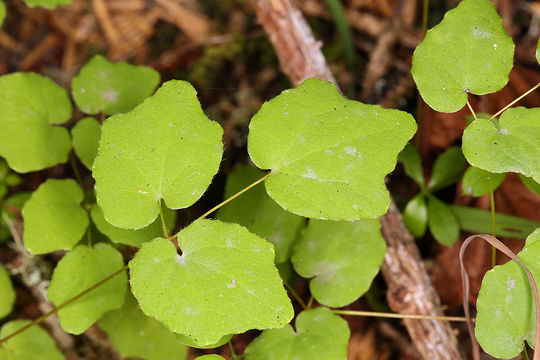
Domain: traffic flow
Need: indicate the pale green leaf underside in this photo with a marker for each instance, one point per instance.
(514, 147)
(505, 304)
(80, 269)
(48, 4)
(53, 218)
(86, 134)
(224, 282)
(137, 335)
(319, 335)
(30, 104)
(132, 237)
(328, 155)
(166, 148)
(112, 88)
(475, 181)
(260, 214)
(32, 344)
(469, 51)
(7, 293)
(329, 252)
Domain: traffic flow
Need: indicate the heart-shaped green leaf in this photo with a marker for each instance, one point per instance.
(112, 88)
(30, 104)
(469, 51)
(415, 215)
(32, 344)
(476, 181)
(132, 237)
(7, 294)
(260, 214)
(447, 169)
(53, 218)
(80, 269)
(325, 151)
(137, 335)
(166, 148)
(505, 304)
(86, 134)
(530, 184)
(319, 335)
(224, 282)
(442, 222)
(513, 147)
(329, 251)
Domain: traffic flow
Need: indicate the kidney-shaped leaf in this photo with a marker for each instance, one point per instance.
(260, 214)
(513, 147)
(112, 88)
(224, 282)
(166, 148)
(137, 335)
(319, 335)
(32, 344)
(7, 293)
(505, 304)
(329, 252)
(53, 218)
(30, 104)
(86, 134)
(80, 269)
(469, 51)
(328, 155)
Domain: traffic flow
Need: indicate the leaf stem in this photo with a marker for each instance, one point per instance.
(399, 316)
(75, 169)
(493, 221)
(310, 302)
(163, 225)
(295, 295)
(472, 110)
(515, 101)
(59, 307)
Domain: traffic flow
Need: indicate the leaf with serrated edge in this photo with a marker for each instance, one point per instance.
(112, 88)
(166, 148)
(224, 282)
(514, 147)
(475, 181)
(80, 269)
(53, 218)
(505, 304)
(469, 51)
(132, 237)
(328, 252)
(325, 151)
(319, 335)
(260, 214)
(32, 344)
(134, 334)
(86, 134)
(7, 293)
(30, 105)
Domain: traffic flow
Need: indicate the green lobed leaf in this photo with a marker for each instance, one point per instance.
(80, 269)
(415, 216)
(7, 293)
(475, 181)
(505, 317)
(442, 222)
(186, 340)
(469, 51)
(319, 335)
(31, 104)
(325, 151)
(166, 148)
(530, 184)
(412, 163)
(48, 4)
(134, 334)
(447, 169)
(258, 213)
(513, 147)
(112, 88)
(32, 344)
(328, 252)
(132, 237)
(53, 218)
(86, 134)
(224, 282)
